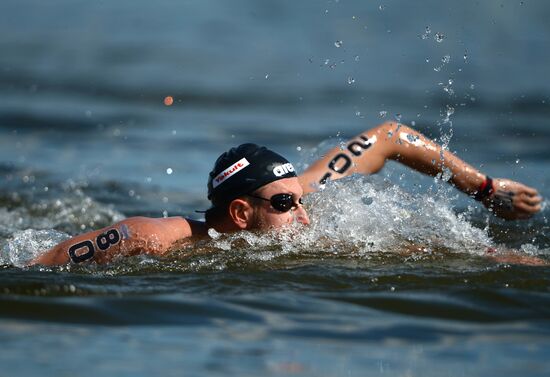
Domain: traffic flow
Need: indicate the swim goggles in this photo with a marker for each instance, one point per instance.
(281, 202)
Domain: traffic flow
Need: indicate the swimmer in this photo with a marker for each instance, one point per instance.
(254, 188)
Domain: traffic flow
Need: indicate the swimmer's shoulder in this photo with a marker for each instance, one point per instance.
(172, 228)
(131, 236)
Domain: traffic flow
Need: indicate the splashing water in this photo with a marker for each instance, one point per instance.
(446, 127)
(27, 244)
(352, 218)
(439, 37)
(448, 88)
(427, 33)
(444, 61)
(377, 216)
(28, 230)
(355, 218)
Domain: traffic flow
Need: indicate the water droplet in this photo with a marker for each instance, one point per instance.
(351, 80)
(472, 86)
(169, 171)
(465, 57)
(213, 233)
(367, 200)
(446, 59)
(381, 7)
(356, 58)
(439, 37)
(413, 123)
(267, 76)
(358, 113)
(517, 161)
(165, 213)
(398, 117)
(383, 113)
(392, 289)
(427, 60)
(298, 148)
(426, 33)
(338, 44)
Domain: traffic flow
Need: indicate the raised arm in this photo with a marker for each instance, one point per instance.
(366, 154)
(135, 235)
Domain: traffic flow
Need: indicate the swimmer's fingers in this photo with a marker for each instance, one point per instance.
(533, 201)
(527, 202)
(529, 191)
(527, 205)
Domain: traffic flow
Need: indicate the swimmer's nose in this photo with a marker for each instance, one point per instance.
(301, 216)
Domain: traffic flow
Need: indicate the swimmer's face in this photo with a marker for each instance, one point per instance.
(265, 216)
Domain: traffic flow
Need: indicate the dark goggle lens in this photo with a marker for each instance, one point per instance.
(283, 202)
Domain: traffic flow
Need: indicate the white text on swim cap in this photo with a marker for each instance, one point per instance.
(233, 169)
(281, 170)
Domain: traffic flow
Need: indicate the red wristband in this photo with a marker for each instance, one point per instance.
(485, 190)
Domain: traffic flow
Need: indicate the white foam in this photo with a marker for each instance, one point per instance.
(27, 231)
(357, 217)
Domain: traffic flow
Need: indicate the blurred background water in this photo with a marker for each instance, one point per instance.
(86, 140)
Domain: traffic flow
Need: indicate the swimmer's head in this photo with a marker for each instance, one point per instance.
(244, 171)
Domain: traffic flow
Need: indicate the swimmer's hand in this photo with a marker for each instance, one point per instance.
(513, 200)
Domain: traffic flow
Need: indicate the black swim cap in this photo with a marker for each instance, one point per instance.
(243, 169)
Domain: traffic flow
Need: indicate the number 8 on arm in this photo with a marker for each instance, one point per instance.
(135, 235)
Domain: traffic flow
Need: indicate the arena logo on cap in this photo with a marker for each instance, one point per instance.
(233, 169)
(283, 169)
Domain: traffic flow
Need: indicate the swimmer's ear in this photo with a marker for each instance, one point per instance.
(240, 212)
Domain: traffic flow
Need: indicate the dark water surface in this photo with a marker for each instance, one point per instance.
(392, 278)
